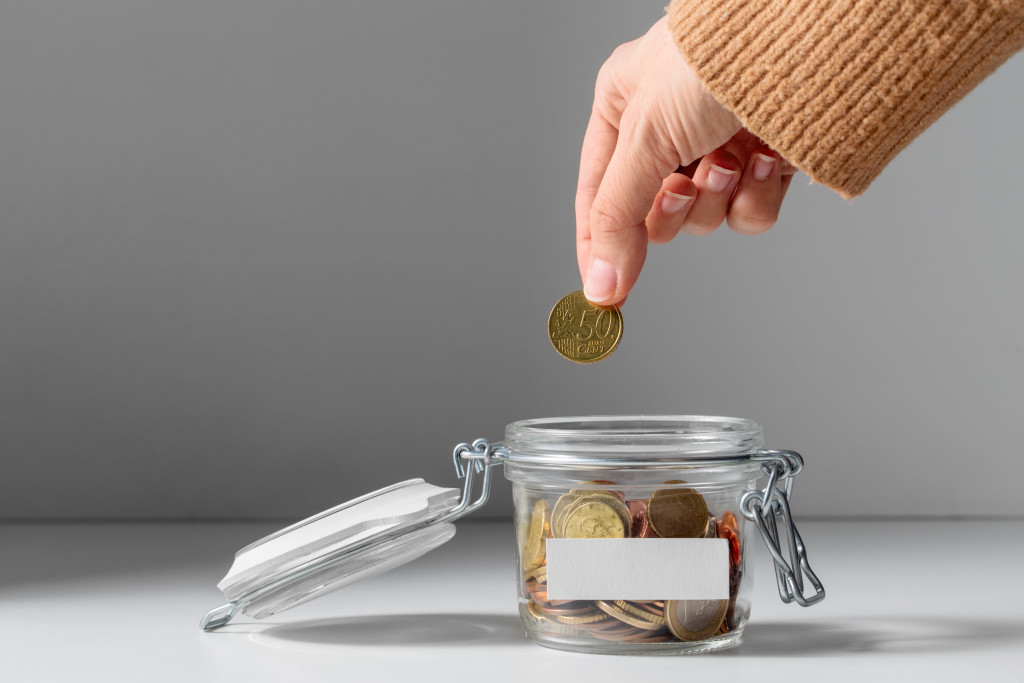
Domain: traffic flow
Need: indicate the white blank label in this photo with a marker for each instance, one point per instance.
(638, 568)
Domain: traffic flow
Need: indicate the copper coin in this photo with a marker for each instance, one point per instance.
(640, 526)
(734, 544)
(729, 519)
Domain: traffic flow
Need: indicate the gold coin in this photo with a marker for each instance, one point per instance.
(591, 618)
(550, 625)
(640, 612)
(695, 619)
(568, 502)
(533, 549)
(562, 505)
(608, 498)
(641, 621)
(594, 518)
(680, 513)
(538, 574)
(583, 332)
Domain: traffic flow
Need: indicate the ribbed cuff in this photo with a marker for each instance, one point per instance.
(839, 87)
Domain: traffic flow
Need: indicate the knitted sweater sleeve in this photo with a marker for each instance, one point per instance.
(839, 87)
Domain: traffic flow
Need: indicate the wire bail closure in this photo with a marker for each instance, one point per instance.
(769, 507)
(471, 460)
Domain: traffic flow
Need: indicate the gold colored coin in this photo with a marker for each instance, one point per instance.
(533, 549)
(538, 574)
(641, 622)
(594, 518)
(680, 513)
(640, 612)
(583, 332)
(591, 618)
(568, 502)
(550, 625)
(562, 505)
(691, 620)
(608, 498)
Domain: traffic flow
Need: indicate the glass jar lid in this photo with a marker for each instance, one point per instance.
(631, 440)
(355, 540)
(358, 539)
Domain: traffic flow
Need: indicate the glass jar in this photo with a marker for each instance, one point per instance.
(632, 533)
(596, 498)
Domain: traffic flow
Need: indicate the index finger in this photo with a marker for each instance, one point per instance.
(618, 231)
(598, 147)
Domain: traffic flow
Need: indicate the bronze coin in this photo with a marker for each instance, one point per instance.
(680, 513)
(639, 524)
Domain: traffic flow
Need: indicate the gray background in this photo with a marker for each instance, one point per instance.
(260, 257)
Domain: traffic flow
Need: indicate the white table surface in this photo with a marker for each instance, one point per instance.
(907, 601)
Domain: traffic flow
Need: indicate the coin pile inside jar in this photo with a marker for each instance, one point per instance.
(607, 513)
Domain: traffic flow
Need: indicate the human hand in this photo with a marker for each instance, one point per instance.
(652, 115)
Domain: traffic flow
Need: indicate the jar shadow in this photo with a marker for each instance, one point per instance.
(906, 635)
(398, 630)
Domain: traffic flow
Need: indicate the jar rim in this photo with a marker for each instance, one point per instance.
(657, 438)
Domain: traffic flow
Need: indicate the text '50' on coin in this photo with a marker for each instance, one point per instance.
(583, 332)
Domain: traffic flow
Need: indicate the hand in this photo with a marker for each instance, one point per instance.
(652, 115)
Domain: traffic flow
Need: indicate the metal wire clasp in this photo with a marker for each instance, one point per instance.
(766, 508)
(471, 460)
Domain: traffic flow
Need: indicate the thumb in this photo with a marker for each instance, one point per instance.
(618, 234)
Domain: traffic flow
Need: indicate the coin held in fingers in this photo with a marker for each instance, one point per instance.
(584, 332)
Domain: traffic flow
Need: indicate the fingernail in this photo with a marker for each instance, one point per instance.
(601, 281)
(763, 165)
(719, 178)
(674, 203)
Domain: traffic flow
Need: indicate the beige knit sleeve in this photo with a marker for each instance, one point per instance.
(839, 87)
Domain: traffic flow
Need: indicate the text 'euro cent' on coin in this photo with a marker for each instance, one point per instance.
(584, 332)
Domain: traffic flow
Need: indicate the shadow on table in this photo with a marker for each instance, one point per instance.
(399, 630)
(905, 635)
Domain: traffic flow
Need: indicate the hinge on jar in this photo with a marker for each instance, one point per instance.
(766, 508)
(471, 460)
